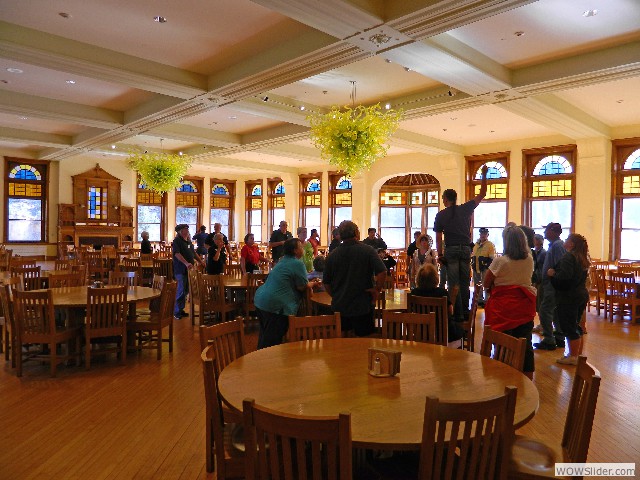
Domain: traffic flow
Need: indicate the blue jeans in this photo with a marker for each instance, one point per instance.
(458, 260)
(479, 278)
(547, 313)
(181, 293)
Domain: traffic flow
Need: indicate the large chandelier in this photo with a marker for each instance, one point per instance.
(160, 172)
(355, 137)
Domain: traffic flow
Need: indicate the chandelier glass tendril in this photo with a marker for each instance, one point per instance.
(355, 137)
(159, 172)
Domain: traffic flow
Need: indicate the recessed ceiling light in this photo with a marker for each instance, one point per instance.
(160, 19)
(232, 117)
(387, 106)
(619, 101)
(14, 70)
(590, 13)
(388, 60)
(71, 82)
(113, 147)
(519, 33)
(180, 153)
(408, 69)
(23, 118)
(64, 15)
(303, 108)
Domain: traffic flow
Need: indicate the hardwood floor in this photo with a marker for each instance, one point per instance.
(146, 419)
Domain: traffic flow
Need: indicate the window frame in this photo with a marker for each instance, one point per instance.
(530, 158)
(272, 199)
(334, 178)
(303, 195)
(249, 210)
(162, 204)
(621, 149)
(43, 167)
(198, 196)
(231, 187)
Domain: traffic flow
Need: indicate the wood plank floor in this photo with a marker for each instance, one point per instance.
(145, 419)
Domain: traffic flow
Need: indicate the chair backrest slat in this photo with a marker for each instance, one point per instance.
(415, 327)
(314, 327)
(503, 347)
(226, 339)
(417, 304)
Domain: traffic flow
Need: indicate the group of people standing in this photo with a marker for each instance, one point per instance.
(524, 280)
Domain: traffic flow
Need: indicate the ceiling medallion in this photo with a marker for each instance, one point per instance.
(355, 137)
(379, 39)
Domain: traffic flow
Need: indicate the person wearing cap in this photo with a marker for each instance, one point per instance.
(547, 308)
(483, 252)
(200, 239)
(183, 257)
(454, 223)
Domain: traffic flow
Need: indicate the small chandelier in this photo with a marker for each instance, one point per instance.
(160, 172)
(355, 137)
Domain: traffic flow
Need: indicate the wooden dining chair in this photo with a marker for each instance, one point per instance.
(295, 444)
(233, 270)
(531, 458)
(504, 348)
(163, 267)
(9, 327)
(194, 294)
(227, 343)
(148, 330)
(468, 439)
(60, 280)
(98, 270)
(36, 324)
(154, 304)
(400, 276)
(314, 327)
(23, 262)
(213, 304)
(414, 327)
(31, 277)
(254, 280)
(221, 457)
(106, 320)
(64, 265)
(439, 306)
(129, 279)
(469, 326)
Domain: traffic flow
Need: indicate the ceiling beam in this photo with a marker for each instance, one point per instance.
(35, 138)
(193, 134)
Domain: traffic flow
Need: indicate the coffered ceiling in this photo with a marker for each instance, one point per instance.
(225, 80)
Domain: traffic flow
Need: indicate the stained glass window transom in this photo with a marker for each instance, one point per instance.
(187, 186)
(220, 189)
(633, 161)
(344, 183)
(25, 172)
(494, 170)
(552, 165)
(313, 185)
(279, 190)
(256, 191)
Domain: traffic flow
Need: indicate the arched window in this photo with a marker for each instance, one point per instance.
(189, 203)
(221, 205)
(408, 203)
(26, 200)
(310, 203)
(626, 199)
(492, 213)
(549, 187)
(339, 199)
(151, 213)
(253, 207)
(276, 210)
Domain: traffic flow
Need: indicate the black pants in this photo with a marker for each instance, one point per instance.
(273, 328)
(362, 325)
(524, 331)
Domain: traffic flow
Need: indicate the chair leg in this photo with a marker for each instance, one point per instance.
(159, 338)
(171, 337)
(53, 358)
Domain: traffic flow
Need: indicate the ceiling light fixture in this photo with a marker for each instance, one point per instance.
(23, 118)
(379, 39)
(71, 82)
(387, 106)
(590, 13)
(160, 172)
(14, 70)
(302, 108)
(64, 15)
(265, 99)
(355, 137)
(407, 69)
(519, 33)
(160, 19)
(113, 147)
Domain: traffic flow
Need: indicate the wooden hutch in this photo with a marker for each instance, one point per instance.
(96, 216)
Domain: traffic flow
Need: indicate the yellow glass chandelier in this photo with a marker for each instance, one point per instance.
(160, 172)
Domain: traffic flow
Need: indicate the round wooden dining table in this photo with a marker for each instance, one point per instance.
(326, 377)
(395, 299)
(77, 296)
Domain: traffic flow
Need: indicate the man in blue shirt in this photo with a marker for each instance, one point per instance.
(547, 307)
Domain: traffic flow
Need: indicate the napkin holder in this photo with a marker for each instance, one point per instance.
(384, 362)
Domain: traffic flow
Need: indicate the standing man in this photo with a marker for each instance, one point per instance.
(413, 246)
(455, 223)
(482, 256)
(183, 257)
(335, 240)
(276, 242)
(373, 240)
(201, 238)
(217, 227)
(539, 254)
(547, 308)
(349, 279)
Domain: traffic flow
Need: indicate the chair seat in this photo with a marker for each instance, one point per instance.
(531, 458)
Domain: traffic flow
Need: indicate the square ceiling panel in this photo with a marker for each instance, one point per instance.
(226, 119)
(39, 125)
(486, 124)
(375, 80)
